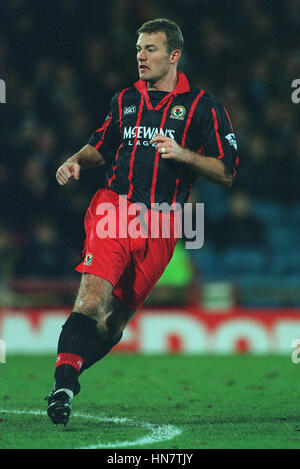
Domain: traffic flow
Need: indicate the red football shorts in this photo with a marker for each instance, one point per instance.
(124, 245)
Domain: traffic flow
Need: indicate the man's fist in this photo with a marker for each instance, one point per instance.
(68, 171)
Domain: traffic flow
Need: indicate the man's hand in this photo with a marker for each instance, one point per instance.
(87, 157)
(68, 171)
(169, 149)
(211, 168)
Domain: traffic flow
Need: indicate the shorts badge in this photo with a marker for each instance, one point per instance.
(88, 259)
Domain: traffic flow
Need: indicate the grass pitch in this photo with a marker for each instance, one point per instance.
(161, 402)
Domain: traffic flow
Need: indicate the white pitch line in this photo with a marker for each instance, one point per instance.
(158, 433)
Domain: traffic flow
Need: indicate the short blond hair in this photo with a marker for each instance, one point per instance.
(172, 31)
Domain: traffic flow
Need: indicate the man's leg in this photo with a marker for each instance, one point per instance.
(93, 328)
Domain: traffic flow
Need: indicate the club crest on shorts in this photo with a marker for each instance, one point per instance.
(177, 112)
(88, 260)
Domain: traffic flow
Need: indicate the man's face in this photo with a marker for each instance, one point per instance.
(152, 56)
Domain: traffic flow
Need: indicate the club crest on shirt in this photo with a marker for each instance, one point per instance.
(88, 259)
(177, 112)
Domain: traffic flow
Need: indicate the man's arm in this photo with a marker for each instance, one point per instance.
(87, 157)
(101, 148)
(211, 168)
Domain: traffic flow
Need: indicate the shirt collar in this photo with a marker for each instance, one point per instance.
(182, 85)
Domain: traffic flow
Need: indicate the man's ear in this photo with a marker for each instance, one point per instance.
(175, 56)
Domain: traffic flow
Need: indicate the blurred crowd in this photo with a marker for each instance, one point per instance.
(63, 60)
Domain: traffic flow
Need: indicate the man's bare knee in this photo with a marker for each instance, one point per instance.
(116, 318)
(93, 297)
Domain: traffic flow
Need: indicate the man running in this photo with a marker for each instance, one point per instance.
(158, 136)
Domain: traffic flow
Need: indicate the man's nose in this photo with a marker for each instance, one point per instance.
(142, 55)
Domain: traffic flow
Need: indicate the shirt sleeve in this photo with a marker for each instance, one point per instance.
(217, 137)
(106, 139)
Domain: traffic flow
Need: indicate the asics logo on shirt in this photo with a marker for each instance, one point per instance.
(129, 110)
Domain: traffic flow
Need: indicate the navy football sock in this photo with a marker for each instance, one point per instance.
(80, 345)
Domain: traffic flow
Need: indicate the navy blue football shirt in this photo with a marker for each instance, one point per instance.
(195, 119)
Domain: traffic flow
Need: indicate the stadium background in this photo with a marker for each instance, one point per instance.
(61, 62)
